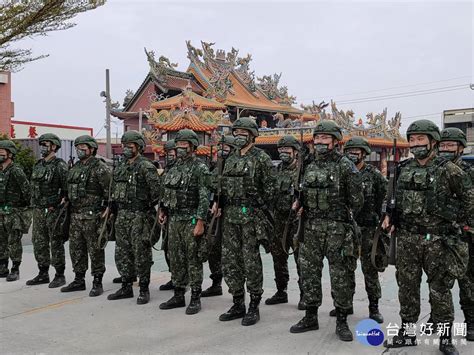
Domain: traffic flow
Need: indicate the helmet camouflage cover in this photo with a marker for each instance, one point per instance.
(328, 127)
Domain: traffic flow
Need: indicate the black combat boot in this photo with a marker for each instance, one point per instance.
(342, 328)
(78, 284)
(374, 310)
(236, 311)
(309, 321)
(118, 280)
(4, 268)
(126, 291)
(59, 279)
(446, 345)
(195, 303)
(253, 314)
(279, 297)
(176, 301)
(215, 289)
(301, 303)
(349, 312)
(41, 278)
(167, 286)
(402, 339)
(144, 294)
(97, 288)
(14, 274)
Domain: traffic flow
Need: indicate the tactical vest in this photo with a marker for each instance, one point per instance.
(423, 197)
(322, 193)
(285, 180)
(45, 189)
(238, 182)
(368, 216)
(79, 184)
(130, 187)
(181, 186)
(10, 195)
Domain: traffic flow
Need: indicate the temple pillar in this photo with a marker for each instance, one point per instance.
(383, 161)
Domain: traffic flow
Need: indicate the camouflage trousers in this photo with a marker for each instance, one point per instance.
(10, 238)
(241, 261)
(466, 287)
(417, 253)
(133, 254)
(371, 275)
(48, 246)
(84, 242)
(165, 246)
(215, 259)
(186, 262)
(280, 255)
(333, 240)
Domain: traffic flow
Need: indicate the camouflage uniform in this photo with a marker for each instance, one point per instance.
(429, 199)
(331, 187)
(186, 197)
(49, 187)
(247, 192)
(15, 219)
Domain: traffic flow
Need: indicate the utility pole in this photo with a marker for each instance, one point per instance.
(108, 144)
(140, 120)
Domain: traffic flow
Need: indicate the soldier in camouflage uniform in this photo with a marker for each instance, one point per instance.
(247, 190)
(285, 180)
(88, 187)
(432, 194)
(170, 159)
(375, 188)
(186, 196)
(135, 191)
(331, 190)
(453, 142)
(49, 188)
(224, 148)
(14, 216)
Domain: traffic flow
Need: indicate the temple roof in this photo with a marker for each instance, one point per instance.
(185, 120)
(197, 100)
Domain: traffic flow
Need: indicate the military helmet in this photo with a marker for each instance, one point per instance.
(328, 127)
(289, 141)
(50, 137)
(228, 140)
(454, 134)
(246, 123)
(424, 127)
(187, 135)
(8, 145)
(358, 142)
(86, 139)
(170, 145)
(134, 137)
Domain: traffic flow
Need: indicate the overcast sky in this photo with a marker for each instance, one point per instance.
(343, 50)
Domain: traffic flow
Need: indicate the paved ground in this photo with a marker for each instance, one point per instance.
(42, 320)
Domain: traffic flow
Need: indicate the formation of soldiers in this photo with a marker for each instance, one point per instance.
(318, 203)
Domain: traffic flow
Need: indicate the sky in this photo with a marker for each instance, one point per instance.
(340, 50)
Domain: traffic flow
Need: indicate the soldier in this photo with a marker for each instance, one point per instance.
(135, 191)
(224, 148)
(286, 180)
(374, 185)
(14, 220)
(170, 159)
(432, 194)
(186, 196)
(88, 185)
(247, 190)
(451, 147)
(331, 191)
(49, 189)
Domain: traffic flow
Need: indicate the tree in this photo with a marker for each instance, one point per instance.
(21, 19)
(24, 156)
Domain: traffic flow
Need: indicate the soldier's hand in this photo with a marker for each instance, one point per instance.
(214, 208)
(295, 205)
(386, 223)
(300, 212)
(162, 218)
(105, 212)
(199, 228)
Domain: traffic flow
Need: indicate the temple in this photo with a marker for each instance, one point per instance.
(219, 87)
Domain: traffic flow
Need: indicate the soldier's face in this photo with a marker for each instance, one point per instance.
(419, 139)
(83, 151)
(355, 155)
(325, 139)
(4, 155)
(450, 146)
(183, 148)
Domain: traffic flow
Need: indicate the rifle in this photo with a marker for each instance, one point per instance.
(298, 187)
(62, 220)
(107, 229)
(70, 162)
(388, 209)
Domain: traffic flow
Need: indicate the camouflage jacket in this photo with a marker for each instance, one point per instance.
(467, 168)
(14, 188)
(88, 185)
(284, 178)
(136, 186)
(434, 196)
(331, 186)
(48, 182)
(374, 185)
(186, 189)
